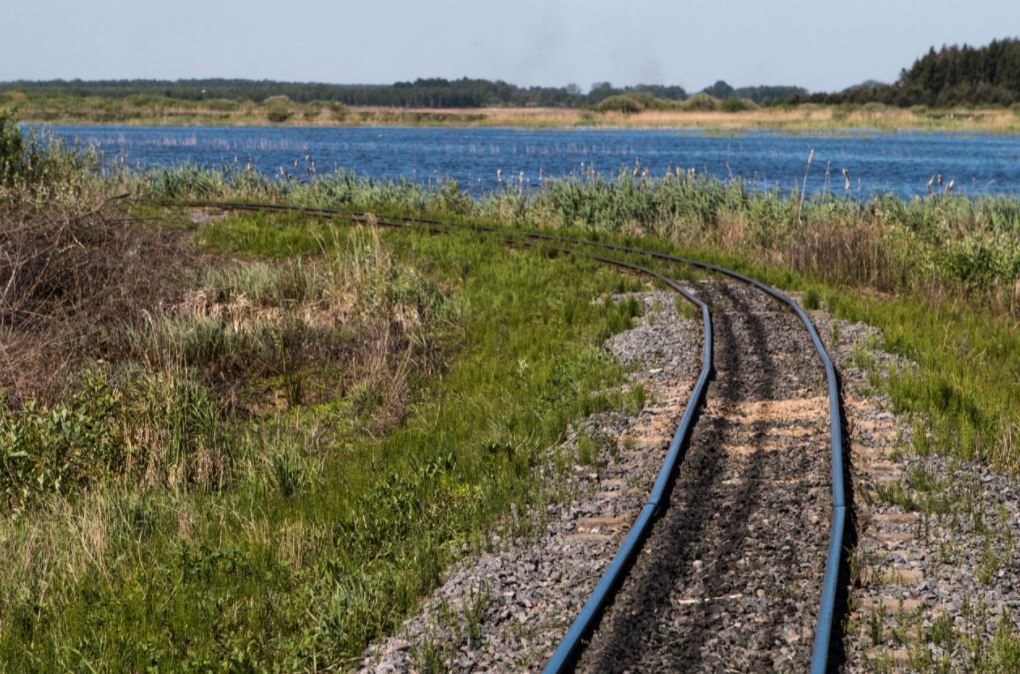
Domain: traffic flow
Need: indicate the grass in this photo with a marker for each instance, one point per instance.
(966, 383)
(267, 458)
(979, 642)
(956, 321)
(976, 641)
(942, 244)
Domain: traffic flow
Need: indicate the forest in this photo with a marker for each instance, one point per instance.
(953, 75)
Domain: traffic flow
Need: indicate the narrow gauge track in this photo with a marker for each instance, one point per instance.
(717, 589)
(729, 576)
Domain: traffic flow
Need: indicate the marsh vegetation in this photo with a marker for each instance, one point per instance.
(629, 110)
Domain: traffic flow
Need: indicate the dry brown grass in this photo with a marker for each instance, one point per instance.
(858, 256)
(802, 117)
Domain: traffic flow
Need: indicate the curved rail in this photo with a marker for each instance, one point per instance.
(572, 641)
(586, 621)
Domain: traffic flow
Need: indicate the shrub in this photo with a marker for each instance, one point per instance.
(12, 149)
(142, 100)
(13, 96)
(701, 102)
(279, 116)
(736, 105)
(631, 102)
(624, 103)
(278, 109)
(66, 277)
(338, 109)
(44, 175)
(50, 451)
(222, 104)
(453, 200)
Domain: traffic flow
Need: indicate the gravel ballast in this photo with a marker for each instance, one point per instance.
(936, 567)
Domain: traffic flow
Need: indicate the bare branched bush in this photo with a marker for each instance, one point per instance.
(65, 279)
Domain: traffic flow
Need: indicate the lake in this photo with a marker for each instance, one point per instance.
(480, 158)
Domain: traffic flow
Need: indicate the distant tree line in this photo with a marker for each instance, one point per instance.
(950, 76)
(762, 95)
(421, 93)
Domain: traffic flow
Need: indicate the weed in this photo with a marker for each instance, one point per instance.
(876, 624)
(812, 300)
(592, 449)
(475, 614)
(56, 450)
(587, 450)
(687, 310)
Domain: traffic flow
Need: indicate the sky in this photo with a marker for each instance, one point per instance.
(818, 44)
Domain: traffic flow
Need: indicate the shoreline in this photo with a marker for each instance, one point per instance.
(804, 118)
(700, 130)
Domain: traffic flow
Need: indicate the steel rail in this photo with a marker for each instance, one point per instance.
(572, 641)
(587, 620)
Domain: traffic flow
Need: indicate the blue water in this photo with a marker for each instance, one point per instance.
(878, 162)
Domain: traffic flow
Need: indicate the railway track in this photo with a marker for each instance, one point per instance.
(722, 569)
(729, 575)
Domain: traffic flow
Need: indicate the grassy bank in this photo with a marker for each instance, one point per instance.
(701, 112)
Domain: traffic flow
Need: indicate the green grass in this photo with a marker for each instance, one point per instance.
(967, 384)
(326, 537)
(939, 246)
(267, 236)
(980, 641)
(946, 269)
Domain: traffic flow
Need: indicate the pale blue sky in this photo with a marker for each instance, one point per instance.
(818, 44)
